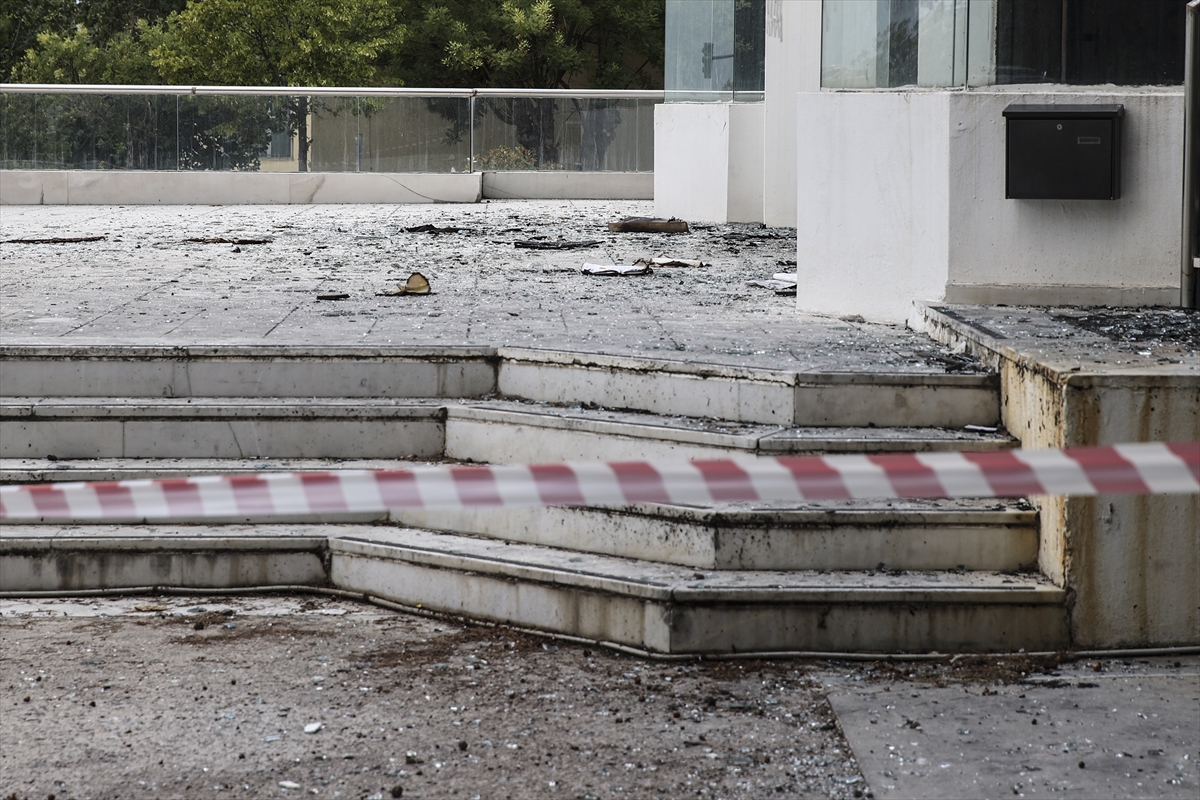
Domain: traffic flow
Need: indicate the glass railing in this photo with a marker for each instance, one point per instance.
(325, 130)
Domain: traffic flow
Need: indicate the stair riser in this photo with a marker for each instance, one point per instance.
(45, 567)
(668, 627)
(987, 544)
(282, 432)
(917, 403)
(499, 439)
(232, 438)
(163, 377)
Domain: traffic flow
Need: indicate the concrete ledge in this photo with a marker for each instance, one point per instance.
(562, 185)
(1129, 560)
(112, 187)
(1081, 295)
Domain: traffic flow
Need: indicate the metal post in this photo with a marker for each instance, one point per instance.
(471, 126)
(1189, 294)
(358, 168)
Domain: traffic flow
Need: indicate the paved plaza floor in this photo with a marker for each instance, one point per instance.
(308, 696)
(144, 282)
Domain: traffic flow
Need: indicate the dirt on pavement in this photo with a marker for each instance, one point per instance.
(212, 698)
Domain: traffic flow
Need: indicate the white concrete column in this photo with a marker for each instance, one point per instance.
(708, 161)
(793, 64)
(872, 204)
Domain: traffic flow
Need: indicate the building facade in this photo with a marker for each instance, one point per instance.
(877, 128)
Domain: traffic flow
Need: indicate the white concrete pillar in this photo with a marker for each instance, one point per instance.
(793, 64)
(708, 161)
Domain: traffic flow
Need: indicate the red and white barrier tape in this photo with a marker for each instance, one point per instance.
(1117, 469)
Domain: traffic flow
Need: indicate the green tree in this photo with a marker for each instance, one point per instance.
(536, 44)
(278, 43)
(23, 21)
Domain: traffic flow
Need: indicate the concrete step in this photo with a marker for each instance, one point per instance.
(220, 427)
(836, 535)
(656, 607)
(97, 370)
(497, 431)
(840, 535)
(780, 397)
(467, 430)
(750, 395)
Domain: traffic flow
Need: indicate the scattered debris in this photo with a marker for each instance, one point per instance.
(607, 270)
(952, 362)
(741, 236)
(664, 261)
(1179, 326)
(313, 727)
(559, 245)
(58, 240)
(335, 296)
(786, 263)
(981, 428)
(782, 283)
(149, 608)
(289, 785)
(223, 240)
(648, 225)
(434, 229)
(416, 284)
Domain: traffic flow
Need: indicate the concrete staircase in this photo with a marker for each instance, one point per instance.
(836, 576)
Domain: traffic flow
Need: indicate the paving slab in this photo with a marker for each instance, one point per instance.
(146, 284)
(1089, 730)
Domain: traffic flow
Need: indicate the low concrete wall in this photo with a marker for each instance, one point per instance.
(1129, 561)
(110, 187)
(562, 185)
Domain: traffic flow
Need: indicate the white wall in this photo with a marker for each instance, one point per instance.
(1067, 251)
(901, 198)
(873, 201)
(691, 161)
(793, 64)
(745, 199)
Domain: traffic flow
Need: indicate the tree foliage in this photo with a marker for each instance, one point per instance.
(437, 43)
(536, 44)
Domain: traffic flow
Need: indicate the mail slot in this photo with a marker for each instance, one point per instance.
(1063, 152)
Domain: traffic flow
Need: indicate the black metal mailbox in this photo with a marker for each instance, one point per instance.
(1063, 152)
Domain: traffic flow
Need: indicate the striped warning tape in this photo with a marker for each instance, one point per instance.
(1116, 469)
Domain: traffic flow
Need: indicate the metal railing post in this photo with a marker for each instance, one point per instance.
(1189, 295)
(471, 127)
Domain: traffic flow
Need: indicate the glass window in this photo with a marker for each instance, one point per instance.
(1088, 42)
(715, 50)
(868, 44)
